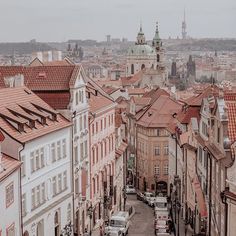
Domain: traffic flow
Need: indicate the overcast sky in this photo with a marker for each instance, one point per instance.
(60, 20)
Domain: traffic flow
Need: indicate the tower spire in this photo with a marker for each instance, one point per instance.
(184, 27)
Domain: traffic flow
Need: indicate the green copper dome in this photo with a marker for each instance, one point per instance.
(141, 50)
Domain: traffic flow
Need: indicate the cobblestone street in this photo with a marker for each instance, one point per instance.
(142, 221)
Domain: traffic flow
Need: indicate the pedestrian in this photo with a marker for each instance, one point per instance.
(86, 232)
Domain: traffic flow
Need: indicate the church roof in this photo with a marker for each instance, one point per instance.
(141, 50)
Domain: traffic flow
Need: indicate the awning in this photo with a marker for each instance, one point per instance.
(200, 198)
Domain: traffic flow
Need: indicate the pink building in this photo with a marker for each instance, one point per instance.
(102, 156)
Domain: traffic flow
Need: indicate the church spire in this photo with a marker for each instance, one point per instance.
(141, 36)
(156, 40)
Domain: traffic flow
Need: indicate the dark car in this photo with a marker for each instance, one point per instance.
(140, 195)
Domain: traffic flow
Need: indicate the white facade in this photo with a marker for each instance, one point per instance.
(10, 213)
(79, 107)
(46, 183)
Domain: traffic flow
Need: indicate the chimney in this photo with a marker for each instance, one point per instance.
(19, 80)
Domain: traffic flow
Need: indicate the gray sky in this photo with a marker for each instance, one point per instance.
(60, 20)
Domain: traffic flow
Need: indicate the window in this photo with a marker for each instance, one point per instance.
(166, 149)
(218, 135)
(32, 162)
(9, 194)
(43, 193)
(93, 156)
(69, 212)
(158, 132)
(41, 156)
(24, 204)
(205, 159)
(11, 230)
(156, 170)
(86, 148)
(64, 148)
(166, 169)
(92, 129)
(75, 126)
(33, 198)
(37, 202)
(77, 185)
(82, 151)
(53, 152)
(23, 169)
(76, 98)
(54, 186)
(80, 123)
(59, 183)
(58, 150)
(64, 180)
(157, 151)
(76, 154)
(85, 121)
(200, 154)
(101, 124)
(204, 129)
(96, 127)
(105, 122)
(37, 160)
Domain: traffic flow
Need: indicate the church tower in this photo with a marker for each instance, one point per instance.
(140, 37)
(157, 45)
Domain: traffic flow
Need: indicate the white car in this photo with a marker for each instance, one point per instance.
(130, 189)
(151, 201)
(119, 222)
(147, 196)
(113, 232)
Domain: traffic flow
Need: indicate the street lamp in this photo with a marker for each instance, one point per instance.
(90, 213)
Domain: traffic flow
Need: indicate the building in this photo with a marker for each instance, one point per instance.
(152, 162)
(63, 87)
(146, 58)
(10, 209)
(102, 157)
(41, 140)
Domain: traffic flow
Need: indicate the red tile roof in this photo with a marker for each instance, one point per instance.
(197, 100)
(185, 115)
(232, 120)
(128, 81)
(22, 110)
(58, 101)
(9, 165)
(159, 114)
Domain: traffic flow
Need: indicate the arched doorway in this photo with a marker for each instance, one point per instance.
(40, 229)
(56, 224)
(132, 69)
(161, 188)
(26, 233)
(142, 67)
(144, 184)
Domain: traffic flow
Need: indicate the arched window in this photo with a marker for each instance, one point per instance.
(142, 67)
(132, 69)
(69, 212)
(40, 229)
(56, 224)
(101, 149)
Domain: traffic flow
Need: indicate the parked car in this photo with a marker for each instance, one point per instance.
(161, 226)
(147, 196)
(161, 204)
(140, 195)
(119, 221)
(113, 232)
(130, 189)
(151, 201)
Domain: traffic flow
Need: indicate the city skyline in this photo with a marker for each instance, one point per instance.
(58, 21)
